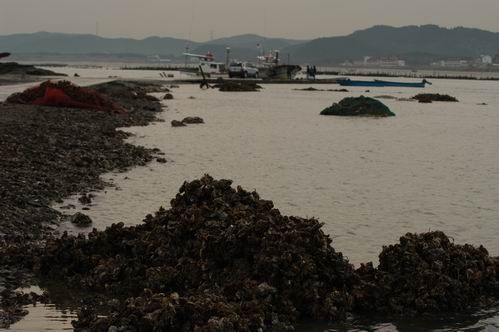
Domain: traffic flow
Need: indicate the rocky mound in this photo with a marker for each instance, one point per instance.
(66, 94)
(186, 121)
(13, 68)
(385, 97)
(221, 259)
(134, 96)
(358, 106)
(229, 86)
(431, 97)
(176, 123)
(427, 273)
(193, 120)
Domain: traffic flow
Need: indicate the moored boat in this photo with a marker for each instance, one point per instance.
(280, 72)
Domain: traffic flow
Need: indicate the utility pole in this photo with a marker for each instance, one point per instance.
(186, 56)
(227, 57)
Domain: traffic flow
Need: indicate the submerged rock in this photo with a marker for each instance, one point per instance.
(85, 199)
(81, 220)
(406, 99)
(176, 123)
(311, 89)
(385, 97)
(431, 97)
(229, 86)
(193, 120)
(358, 106)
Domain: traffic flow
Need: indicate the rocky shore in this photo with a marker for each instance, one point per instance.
(219, 258)
(14, 68)
(223, 259)
(15, 73)
(49, 153)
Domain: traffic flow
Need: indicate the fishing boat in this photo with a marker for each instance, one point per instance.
(270, 67)
(280, 72)
(380, 83)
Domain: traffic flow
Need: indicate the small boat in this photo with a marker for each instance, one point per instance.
(270, 67)
(280, 72)
(379, 83)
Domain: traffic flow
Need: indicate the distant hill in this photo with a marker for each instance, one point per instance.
(242, 47)
(47, 42)
(411, 42)
(251, 41)
(416, 44)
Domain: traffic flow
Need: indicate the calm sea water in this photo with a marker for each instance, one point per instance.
(432, 167)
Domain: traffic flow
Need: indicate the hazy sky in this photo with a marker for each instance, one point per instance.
(201, 19)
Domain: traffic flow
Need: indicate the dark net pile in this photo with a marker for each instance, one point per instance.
(358, 106)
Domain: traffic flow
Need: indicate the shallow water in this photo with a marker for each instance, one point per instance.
(433, 166)
(45, 317)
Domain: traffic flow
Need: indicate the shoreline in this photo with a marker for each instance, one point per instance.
(51, 153)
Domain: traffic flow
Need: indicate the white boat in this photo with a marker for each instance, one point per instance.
(212, 68)
(208, 64)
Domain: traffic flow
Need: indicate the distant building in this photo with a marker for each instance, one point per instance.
(377, 62)
(451, 64)
(486, 59)
(495, 62)
(392, 63)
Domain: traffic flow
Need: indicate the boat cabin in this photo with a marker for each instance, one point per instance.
(212, 68)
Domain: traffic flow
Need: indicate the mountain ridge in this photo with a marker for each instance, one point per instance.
(415, 43)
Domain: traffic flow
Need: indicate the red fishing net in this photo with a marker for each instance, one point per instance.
(66, 94)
